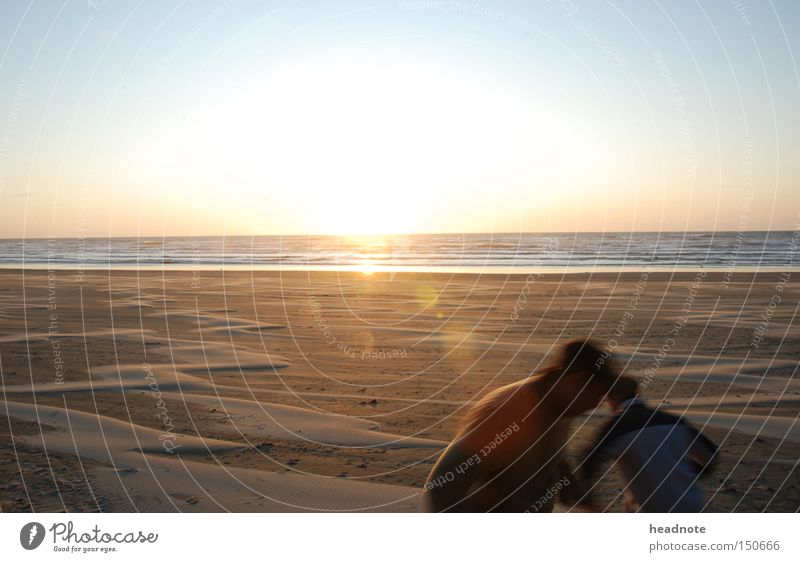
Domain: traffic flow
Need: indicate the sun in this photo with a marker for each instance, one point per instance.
(365, 146)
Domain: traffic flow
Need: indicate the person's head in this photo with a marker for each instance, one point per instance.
(624, 388)
(582, 377)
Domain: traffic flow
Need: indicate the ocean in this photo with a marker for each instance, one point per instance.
(420, 252)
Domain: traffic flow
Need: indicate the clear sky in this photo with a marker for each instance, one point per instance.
(240, 117)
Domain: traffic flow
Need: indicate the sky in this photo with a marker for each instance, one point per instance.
(233, 117)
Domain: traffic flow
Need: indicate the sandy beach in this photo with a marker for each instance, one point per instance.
(307, 391)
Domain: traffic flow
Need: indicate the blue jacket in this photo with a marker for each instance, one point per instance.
(661, 457)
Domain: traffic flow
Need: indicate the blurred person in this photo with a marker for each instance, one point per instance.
(508, 454)
(660, 455)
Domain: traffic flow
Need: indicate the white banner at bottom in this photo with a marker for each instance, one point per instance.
(364, 537)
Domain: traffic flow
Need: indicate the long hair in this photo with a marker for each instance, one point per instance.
(577, 355)
(487, 406)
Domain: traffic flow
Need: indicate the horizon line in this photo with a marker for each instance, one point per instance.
(373, 235)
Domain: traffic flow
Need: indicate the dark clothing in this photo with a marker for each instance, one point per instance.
(660, 455)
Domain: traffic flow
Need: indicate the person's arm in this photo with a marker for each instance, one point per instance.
(457, 469)
(574, 490)
(593, 457)
(600, 450)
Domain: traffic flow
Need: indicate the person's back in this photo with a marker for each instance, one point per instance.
(508, 454)
(660, 455)
(504, 458)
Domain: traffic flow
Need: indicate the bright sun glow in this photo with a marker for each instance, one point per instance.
(368, 146)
